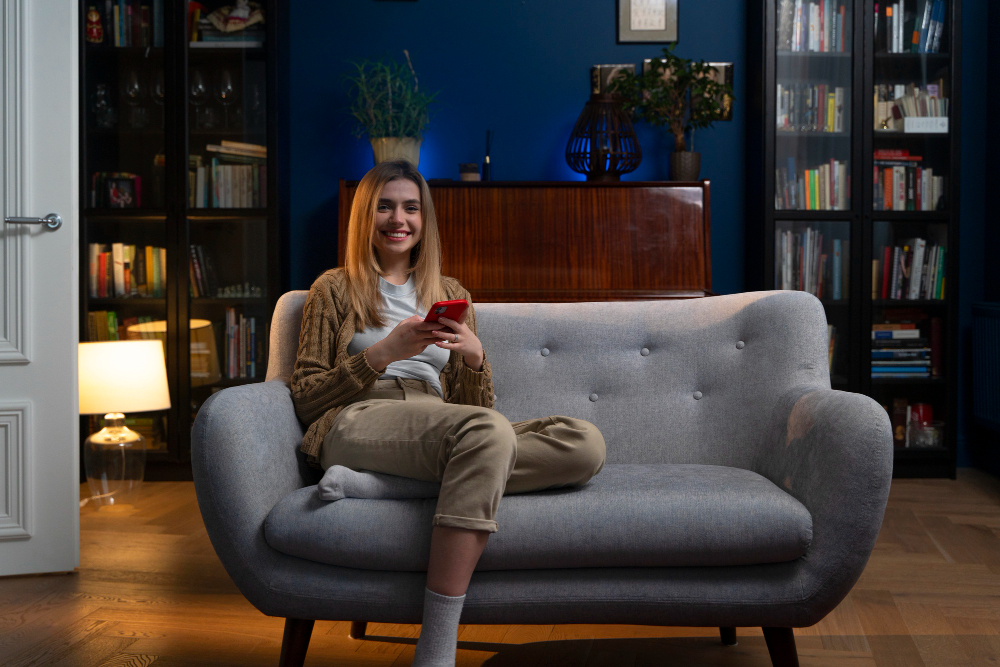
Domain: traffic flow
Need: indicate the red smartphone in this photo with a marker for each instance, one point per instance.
(453, 310)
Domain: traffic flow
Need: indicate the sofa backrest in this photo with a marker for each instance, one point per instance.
(687, 381)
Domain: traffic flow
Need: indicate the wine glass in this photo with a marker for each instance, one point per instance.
(198, 95)
(133, 93)
(160, 95)
(225, 92)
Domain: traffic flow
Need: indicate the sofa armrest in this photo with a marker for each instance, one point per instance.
(244, 456)
(832, 450)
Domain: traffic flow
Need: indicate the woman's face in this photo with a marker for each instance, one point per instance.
(398, 222)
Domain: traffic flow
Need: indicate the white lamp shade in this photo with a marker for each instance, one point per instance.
(122, 376)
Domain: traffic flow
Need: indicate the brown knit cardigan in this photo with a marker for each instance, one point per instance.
(326, 377)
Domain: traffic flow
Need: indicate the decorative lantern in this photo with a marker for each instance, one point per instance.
(603, 144)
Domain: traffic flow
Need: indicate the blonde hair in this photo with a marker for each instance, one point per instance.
(361, 261)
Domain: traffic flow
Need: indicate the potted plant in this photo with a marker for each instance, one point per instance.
(680, 94)
(390, 108)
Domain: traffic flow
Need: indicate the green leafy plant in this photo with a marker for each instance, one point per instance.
(386, 99)
(674, 92)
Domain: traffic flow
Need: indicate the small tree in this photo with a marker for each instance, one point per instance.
(674, 92)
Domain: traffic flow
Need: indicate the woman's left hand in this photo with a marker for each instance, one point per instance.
(460, 338)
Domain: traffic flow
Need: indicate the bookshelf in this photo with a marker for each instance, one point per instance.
(852, 181)
(180, 238)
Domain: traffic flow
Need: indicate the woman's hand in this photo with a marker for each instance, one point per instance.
(460, 338)
(407, 339)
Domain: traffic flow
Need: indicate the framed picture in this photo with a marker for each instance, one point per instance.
(647, 21)
(121, 193)
(601, 76)
(723, 74)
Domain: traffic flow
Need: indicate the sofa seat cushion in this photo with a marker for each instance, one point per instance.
(629, 515)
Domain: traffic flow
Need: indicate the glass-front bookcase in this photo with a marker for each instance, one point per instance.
(851, 196)
(179, 239)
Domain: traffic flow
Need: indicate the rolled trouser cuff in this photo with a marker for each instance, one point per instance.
(465, 523)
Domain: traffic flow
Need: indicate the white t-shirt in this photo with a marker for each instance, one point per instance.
(400, 302)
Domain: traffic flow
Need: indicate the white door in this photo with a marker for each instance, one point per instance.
(39, 275)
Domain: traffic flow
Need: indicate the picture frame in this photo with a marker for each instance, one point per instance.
(601, 76)
(723, 74)
(121, 193)
(647, 21)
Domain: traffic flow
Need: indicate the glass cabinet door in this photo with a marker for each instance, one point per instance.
(227, 204)
(814, 69)
(912, 220)
(814, 65)
(123, 171)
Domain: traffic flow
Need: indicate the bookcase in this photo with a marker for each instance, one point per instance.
(179, 237)
(852, 182)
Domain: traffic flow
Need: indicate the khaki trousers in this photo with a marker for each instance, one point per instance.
(402, 427)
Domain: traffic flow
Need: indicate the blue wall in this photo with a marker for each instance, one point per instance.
(518, 67)
(521, 68)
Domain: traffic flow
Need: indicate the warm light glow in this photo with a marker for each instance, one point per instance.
(122, 376)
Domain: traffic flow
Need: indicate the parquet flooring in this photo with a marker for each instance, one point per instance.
(150, 591)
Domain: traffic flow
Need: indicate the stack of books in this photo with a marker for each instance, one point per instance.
(899, 351)
(913, 270)
(825, 187)
(204, 34)
(813, 25)
(122, 271)
(243, 345)
(236, 177)
(807, 261)
(903, 184)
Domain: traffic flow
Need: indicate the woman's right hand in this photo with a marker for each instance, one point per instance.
(407, 339)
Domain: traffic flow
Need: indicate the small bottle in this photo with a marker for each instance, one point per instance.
(487, 169)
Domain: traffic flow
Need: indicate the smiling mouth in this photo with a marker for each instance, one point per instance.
(396, 236)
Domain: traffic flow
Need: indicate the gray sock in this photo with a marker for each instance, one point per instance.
(439, 632)
(340, 482)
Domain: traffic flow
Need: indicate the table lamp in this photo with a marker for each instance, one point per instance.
(117, 377)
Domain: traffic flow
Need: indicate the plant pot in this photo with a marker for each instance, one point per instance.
(685, 166)
(394, 148)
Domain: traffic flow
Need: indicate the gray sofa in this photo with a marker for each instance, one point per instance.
(739, 490)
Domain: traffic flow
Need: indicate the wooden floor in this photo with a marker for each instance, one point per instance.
(150, 591)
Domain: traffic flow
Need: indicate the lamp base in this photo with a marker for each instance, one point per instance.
(115, 461)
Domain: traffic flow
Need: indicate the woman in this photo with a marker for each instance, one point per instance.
(384, 391)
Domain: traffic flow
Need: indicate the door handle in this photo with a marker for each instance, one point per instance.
(52, 221)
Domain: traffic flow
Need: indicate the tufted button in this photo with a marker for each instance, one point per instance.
(593, 397)
(740, 345)
(697, 395)
(644, 351)
(545, 351)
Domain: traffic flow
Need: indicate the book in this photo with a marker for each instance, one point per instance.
(900, 334)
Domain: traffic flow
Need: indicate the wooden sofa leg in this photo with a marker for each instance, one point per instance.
(295, 642)
(358, 629)
(728, 636)
(781, 647)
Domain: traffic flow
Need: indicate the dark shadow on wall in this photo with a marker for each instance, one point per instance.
(315, 248)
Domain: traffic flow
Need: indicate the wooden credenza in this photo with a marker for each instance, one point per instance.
(570, 241)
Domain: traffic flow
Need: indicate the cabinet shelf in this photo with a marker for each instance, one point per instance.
(99, 303)
(220, 214)
(907, 303)
(915, 381)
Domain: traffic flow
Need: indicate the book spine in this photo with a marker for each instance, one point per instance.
(836, 269)
(158, 23)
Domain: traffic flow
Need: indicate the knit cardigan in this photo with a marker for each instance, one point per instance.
(326, 377)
